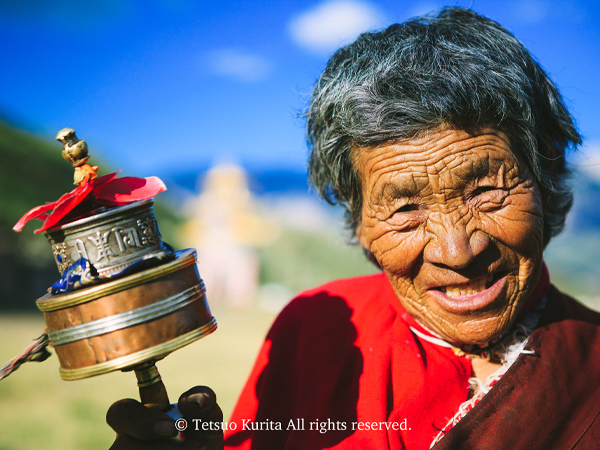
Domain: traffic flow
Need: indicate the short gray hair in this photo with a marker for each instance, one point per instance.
(453, 68)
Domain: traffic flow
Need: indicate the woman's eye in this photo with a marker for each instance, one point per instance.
(407, 217)
(488, 198)
(482, 190)
(407, 208)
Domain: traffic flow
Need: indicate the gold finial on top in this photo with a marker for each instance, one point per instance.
(76, 151)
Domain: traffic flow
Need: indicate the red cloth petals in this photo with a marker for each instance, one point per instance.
(39, 212)
(65, 204)
(32, 214)
(96, 182)
(128, 189)
(105, 190)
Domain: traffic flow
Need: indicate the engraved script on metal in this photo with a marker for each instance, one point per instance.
(80, 247)
(102, 248)
(127, 238)
(110, 241)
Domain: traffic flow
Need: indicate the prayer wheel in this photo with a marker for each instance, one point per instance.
(126, 322)
(124, 299)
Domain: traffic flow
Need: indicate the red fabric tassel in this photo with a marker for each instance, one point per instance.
(106, 190)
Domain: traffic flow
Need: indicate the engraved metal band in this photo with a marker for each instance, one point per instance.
(127, 319)
(157, 352)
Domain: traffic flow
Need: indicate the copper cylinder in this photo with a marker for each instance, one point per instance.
(121, 323)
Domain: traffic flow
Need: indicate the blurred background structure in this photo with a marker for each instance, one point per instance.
(207, 95)
(226, 229)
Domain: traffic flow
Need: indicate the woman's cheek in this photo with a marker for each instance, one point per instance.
(397, 252)
(523, 219)
(514, 226)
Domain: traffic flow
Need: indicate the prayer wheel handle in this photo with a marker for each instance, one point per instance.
(153, 393)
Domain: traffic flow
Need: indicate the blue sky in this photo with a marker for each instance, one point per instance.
(159, 86)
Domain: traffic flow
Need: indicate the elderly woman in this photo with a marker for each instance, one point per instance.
(444, 140)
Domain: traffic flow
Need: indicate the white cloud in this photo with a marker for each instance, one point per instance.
(587, 160)
(239, 65)
(331, 24)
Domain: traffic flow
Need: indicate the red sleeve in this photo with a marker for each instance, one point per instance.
(306, 371)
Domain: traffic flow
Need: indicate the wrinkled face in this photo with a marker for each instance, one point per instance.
(455, 221)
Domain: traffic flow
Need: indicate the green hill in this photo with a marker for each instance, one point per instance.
(32, 172)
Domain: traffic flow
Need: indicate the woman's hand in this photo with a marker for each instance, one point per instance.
(140, 428)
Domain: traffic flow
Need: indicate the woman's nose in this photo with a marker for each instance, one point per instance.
(453, 245)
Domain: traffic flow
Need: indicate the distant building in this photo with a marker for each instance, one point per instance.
(226, 229)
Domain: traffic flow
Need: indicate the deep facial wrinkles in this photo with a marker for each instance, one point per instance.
(442, 211)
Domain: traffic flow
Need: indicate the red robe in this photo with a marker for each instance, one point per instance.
(341, 369)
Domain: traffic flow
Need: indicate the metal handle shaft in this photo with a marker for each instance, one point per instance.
(152, 390)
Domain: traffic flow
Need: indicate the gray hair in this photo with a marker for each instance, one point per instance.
(454, 68)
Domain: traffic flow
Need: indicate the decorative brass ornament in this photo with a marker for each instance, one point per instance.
(76, 151)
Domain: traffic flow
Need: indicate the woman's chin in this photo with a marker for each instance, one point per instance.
(472, 318)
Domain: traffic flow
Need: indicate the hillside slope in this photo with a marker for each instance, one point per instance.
(32, 172)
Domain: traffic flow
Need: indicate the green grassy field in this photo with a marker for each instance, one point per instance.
(38, 410)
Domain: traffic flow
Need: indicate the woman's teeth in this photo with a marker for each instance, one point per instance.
(470, 288)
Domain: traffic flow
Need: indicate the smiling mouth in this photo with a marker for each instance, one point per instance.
(470, 288)
(475, 295)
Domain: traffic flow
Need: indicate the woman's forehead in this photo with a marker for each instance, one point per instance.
(456, 154)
